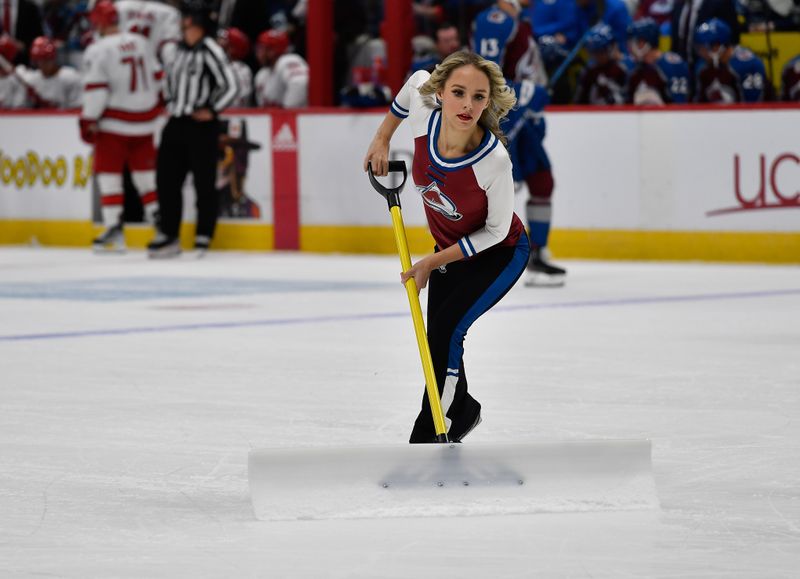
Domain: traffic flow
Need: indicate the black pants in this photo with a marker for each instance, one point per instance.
(188, 145)
(456, 299)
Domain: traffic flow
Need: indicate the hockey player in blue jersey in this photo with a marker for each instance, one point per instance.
(656, 78)
(790, 80)
(605, 78)
(726, 73)
(503, 35)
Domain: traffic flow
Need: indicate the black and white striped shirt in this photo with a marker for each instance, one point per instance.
(200, 77)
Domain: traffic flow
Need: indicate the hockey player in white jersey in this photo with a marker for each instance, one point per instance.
(159, 23)
(237, 46)
(53, 85)
(13, 94)
(120, 110)
(283, 80)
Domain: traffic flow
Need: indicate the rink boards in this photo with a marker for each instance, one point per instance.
(677, 183)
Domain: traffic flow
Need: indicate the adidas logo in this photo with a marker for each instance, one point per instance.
(284, 139)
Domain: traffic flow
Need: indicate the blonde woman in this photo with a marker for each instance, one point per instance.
(462, 171)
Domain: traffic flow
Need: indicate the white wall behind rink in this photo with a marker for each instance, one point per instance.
(652, 170)
(671, 170)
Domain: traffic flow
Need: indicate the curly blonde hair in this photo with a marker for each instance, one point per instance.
(501, 96)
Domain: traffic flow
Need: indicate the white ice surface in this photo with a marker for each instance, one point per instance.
(131, 393)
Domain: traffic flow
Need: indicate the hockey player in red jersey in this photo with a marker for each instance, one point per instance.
(237, 46)
(462, 171)
(13, 91)
(283, 78)
(120, 109)
(52, 85)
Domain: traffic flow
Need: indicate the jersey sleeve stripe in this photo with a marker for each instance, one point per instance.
(97, 86)
(464, 248)
(469, 243)
(399, 111)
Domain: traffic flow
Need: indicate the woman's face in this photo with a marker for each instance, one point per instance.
(465, 96)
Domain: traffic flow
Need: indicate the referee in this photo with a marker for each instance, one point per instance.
(200, 84)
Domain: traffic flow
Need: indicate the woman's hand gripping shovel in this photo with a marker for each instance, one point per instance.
(415, 480)
(392, 196)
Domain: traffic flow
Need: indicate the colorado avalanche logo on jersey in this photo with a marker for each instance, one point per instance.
(433, 197)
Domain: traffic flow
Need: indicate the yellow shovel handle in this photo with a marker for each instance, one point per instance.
(419, 324)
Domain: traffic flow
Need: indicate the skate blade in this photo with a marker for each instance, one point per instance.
(424, 480)
(109, 250)
(538, 279)
(164, 254)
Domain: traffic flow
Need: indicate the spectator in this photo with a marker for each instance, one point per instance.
(447, 42)
(768, 15)
(54, 86)
(688, 14)
(428, 16)
(283, 78)
(12, 90)
(658, 10)
(22, 21)
(790, 80)
(656, 78)
(237, 46)
(605, 79)
(726, 73)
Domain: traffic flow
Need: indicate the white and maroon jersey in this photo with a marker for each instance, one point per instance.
(159, 23)
(122, 85)
(63, 90)
(13, 94)
(283, 85)
(468, 200)
(244, 80)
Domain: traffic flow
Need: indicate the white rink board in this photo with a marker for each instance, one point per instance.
(613, 170)
(653, 170)
(29, 147)
(334, 189)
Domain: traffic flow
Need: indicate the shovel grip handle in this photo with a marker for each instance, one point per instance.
(391, 194)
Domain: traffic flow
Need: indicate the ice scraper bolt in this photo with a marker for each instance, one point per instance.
(392, 196)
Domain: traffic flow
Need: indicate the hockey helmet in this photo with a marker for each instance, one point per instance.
(103, 14)
(600, 38)
(275, 40)
(645, 29)
(8, 48)
(43, 49)
(714, 31)
(235, 42)
(553, 52)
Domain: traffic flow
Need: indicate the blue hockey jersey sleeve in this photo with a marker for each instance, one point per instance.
(491, 32)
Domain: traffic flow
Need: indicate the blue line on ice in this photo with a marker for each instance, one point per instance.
(380, 315)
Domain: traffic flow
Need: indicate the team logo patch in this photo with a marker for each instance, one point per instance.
(497, 16)
(433, 197)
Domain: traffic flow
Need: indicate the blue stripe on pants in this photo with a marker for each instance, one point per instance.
(491, 296)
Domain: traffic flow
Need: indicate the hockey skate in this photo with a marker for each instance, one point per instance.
(163, 247)
(201, 244)
(540, 272)
(111, 241)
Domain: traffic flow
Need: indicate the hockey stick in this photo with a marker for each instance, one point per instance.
(392, 197)
(567, 61)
